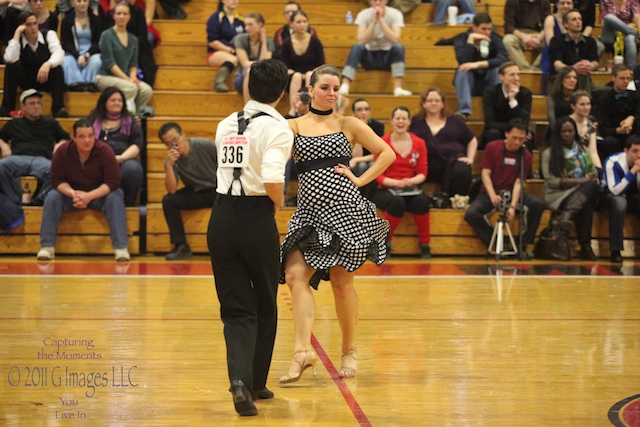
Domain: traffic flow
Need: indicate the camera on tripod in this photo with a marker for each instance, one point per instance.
(505, 202)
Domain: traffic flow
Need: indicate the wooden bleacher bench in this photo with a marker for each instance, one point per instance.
(81, 232)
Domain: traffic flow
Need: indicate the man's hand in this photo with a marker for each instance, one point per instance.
(468, 66)
(511, 213)
(172, 157)
(43, 72)
(582, 67)
(5, 150)
(378, 13)
(476, 38)
(19, 31)
(531, 42)
(495, 199)
(512, 91)
(81, 199)
(636, 167)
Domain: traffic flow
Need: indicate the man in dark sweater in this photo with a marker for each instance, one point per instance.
(34, 60)
(479, 52)
(33, 140)
(505, 102)
(194, 161)
(85, 174)
(618, 113)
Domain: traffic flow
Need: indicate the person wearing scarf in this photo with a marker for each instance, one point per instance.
(571, 186)
(114, 124)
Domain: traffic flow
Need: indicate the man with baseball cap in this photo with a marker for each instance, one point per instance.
(27, 144)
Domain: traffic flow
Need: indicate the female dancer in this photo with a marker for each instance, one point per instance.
(114, 125)
(399, 189)
(334, 230)
(450, 143)
(302, 53)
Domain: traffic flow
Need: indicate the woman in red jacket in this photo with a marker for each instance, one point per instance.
(399, 187)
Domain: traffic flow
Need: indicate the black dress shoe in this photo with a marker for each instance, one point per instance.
(242, 399)
(265, 393)
(181, 251)
(586, 253)
(615, 257)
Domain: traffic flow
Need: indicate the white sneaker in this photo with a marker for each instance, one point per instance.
(46, 253)
(401, 92)
(344, 89)
(122, 255)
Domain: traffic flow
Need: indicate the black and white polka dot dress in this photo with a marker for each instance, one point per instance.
(333, 224)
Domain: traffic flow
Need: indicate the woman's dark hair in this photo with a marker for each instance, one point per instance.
(400, 108)
(556, 159)
(100, 112)
(296, 13)
(557, 90)
(577, 94)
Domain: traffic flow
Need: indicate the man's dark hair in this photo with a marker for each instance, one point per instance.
(619, 67)
(267, 80)
(353, 105)
(517, 124)
(82, 123)
(504, 66)
(631, 140)
(165, 128)
(22, 18)
(565, 18)
(481, 18)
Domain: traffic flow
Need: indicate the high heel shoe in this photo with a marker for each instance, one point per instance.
(309, 361)
(349, 363)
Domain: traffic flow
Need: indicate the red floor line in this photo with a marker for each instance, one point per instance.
(342, 386)
(424, 319)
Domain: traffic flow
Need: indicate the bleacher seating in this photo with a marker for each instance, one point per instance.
(183, 92)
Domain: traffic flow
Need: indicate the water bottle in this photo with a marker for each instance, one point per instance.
(348, 18)
(26, 194)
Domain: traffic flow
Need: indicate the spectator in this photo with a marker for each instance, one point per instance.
(114, 125)
(450, 143)
(586, 128)
(571, 185)
(621, 17)
(440, 16)
(80, 37)
(505, 102)
(501, 168)
(399, 186)
(194, 161)
(618, 113)
(362, 159)
(222, 27)
(479, 52)
(575, 50)
(120, 63)
(302, 53)
(552, 27)
(523, 21)
(33, 140)
(33, 60)
(622, 191)
(84, 174)
(284, 32)
(251, 46)
(138, 26)
(559, 99)
(378, 47)
(47, 20)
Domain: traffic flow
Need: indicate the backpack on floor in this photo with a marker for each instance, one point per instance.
(553, 244)
(11, 214)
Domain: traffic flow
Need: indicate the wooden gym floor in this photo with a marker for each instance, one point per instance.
(445, 342)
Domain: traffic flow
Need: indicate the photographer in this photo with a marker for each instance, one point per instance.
(501, 168)
(194, 161)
